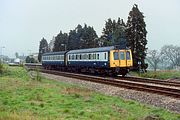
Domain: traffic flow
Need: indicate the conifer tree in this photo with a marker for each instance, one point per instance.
(136, 37)
(114, 33)
(61, 41)
(43, 48)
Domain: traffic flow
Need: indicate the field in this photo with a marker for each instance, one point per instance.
(24, 98)
(169, 74)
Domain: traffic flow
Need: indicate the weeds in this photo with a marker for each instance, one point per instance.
(38, 76)
(1, 67)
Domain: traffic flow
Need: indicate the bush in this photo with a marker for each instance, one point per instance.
(1, 67)
(38, 76)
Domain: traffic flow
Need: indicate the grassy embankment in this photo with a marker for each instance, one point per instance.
(169, 74)
(24, 98)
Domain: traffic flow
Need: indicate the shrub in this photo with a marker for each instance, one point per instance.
(1, 67)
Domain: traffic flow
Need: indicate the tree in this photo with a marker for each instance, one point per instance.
(82, 37)
(73, 40)
(136, 37)
(17, 55)
(60, 40)
(30, 60)
(114, 33)
(107, 32)
(88, 37)
(171, 54)
(154, 58)
(43, 48)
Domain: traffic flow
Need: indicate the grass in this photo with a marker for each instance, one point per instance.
(168, 74)
(24, 98)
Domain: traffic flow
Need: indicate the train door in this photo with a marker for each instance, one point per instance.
(129, 60)
(122, 58)
(114, 58)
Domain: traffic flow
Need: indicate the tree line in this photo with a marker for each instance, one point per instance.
(131, 34)
(168, 57)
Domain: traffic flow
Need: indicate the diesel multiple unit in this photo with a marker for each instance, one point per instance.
(104, 60)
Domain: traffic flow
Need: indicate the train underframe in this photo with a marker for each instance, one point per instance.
(91, 70)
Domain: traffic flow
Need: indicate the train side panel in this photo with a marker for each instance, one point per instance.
(91, 59)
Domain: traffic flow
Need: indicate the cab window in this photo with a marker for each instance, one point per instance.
(122, 56)
(116, 56)
(128, 55)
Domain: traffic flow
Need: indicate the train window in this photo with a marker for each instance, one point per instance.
(91, 56)
(122, 56)
(72, 57)
(105, 56)
(76, 57)
(116, 57)
(128, 55)
(98, 56)
(94, 55)
(80, 57)
(87, 56)
(84, 56)
(69, 57)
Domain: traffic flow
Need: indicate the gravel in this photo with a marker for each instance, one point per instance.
(171, 104)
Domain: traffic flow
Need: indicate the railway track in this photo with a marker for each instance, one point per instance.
(128, 83)
(153, 81)
(133, 79)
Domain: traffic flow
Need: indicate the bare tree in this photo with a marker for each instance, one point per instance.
(171, 53)
(153, 58)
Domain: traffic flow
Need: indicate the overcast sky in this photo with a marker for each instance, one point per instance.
(23, 23)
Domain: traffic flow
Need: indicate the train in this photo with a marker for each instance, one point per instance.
(109, 60)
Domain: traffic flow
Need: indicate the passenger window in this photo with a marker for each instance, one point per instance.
(116, 57)
(122, 56)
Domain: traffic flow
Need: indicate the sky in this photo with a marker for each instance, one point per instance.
(23, 23)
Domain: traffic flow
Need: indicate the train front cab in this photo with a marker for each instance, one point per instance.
(121, 61)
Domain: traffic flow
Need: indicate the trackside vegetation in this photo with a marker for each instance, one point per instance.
(168, 74)
(24, 98)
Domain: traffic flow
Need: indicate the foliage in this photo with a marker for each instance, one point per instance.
(79, 38)
(20, 96)
(153, 58)
(1, 67)
(168, 74)
(171, 54)
(43, 47)
(88, 37)
(114, 33)
(136, 36)
(30, 60)
(38, 76)
(73, 40)
(82, 37)
(17, 55)
(60, 40)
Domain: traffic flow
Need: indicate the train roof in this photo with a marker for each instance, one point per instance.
(54, 53)
(100, 49)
